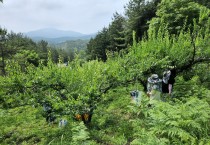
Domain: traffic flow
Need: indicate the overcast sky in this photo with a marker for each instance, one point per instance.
(84, 16)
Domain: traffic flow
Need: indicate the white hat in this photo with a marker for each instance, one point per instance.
(166, 75)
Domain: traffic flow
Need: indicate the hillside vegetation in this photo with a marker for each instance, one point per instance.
(94, 95)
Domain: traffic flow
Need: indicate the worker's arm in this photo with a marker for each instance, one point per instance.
(169, 89)
(149, 90)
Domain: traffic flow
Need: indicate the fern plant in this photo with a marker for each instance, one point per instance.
(181, 122)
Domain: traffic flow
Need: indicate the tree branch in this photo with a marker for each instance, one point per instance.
(190, 64)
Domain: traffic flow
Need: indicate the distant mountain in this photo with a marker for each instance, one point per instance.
(53, 33)
(56, 36)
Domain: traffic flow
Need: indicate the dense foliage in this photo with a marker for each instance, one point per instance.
(180, 15)
(94, 96)
(68, 49)
(21, 49)
(141, 16)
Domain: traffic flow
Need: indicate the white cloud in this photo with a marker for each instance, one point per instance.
(85, 16)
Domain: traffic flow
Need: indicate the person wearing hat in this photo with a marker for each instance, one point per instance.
(168, 81)
(154, 87)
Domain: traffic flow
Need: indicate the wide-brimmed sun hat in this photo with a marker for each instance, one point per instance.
(154, 76)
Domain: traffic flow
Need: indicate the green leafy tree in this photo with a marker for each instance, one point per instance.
(70, 48)
(64, 55)
(117, 33)
(203, 2)
(23, 49)
(138, 13)
(162, 50)
(109, 39)
(43, 50)
(55, 55)
(179, 15)
(3, 50)
(96, 48)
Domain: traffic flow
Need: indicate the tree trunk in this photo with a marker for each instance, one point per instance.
(2, 61)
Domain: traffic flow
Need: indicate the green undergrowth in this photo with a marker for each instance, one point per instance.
(26, 126)
(116, 121)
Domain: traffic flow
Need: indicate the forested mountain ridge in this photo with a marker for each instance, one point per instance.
(92, 93)
(72, 44)
(54, 36)
(69, 48)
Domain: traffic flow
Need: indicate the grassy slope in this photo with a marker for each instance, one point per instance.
(25, 125)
